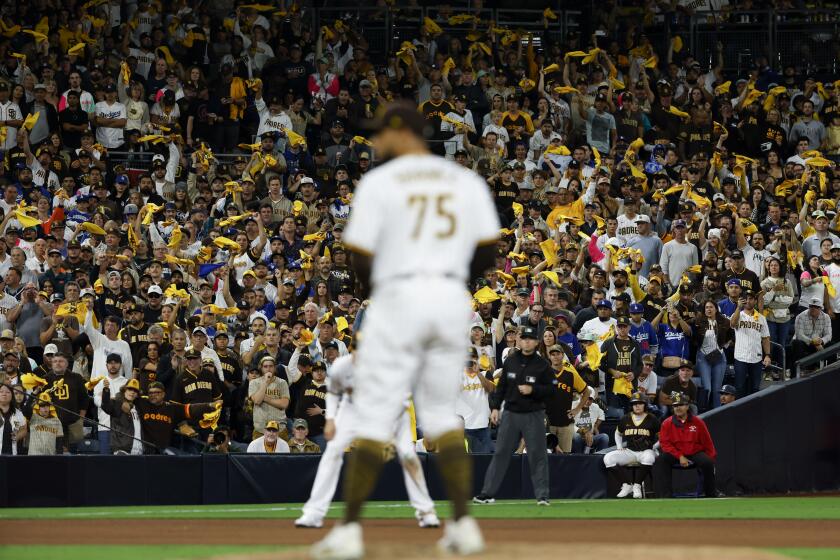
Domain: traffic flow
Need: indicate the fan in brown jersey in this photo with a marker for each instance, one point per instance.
(635, 436)
(198, 383)
(158, 417)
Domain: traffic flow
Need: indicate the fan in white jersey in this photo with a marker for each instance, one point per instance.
(420, 224)
(340, 430)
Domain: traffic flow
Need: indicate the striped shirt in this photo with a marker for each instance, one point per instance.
(751, 328)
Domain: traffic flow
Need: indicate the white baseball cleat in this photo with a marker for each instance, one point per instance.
(637, 491)
(343, 542)
(626, 490)
(308, 521)
(462, 537)
(427, 520)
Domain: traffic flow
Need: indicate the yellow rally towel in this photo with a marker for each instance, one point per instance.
(237, 91)
(31, 119)
(94, 381)
(508, 280)
(225, 243)
(30, 381)
(832, 292)
(549, 249)
(622, 386)
(76, 50)
(431, 27)
(594, 356)
(485, 295)
(91, 228)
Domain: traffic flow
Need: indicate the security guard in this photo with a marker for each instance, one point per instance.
(524, 385)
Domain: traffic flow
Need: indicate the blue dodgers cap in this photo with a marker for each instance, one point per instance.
(637, 308)
(121, 179)
(604, 303)
(733, 282)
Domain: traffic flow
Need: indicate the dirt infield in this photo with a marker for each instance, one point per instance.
(384, 532)
(540, 552)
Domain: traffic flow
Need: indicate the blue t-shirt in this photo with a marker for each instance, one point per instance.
(644, 335)
(672, 341)
(727, 307)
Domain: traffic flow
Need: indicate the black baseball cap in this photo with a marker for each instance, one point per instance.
(529, 332)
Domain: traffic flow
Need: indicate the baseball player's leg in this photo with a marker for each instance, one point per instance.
(384, 371)
(534, 434)
(329, 470)
(415, 481)
(507, 440)
(646, 459)
(437, 389)
(614, 461)
(619, 458)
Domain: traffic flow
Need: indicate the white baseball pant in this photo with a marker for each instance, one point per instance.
(621, 457)
(412, 345)
(329, 469)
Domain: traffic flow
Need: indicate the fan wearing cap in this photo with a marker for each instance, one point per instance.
(273, 119)
(465, 125)
(622, 362)
(728, 394)
(635, 437)
(603, 324)
(684, 440)
(812, 331)
(558, 406)
(399, 249)
(642, 331)
(109, 118)
(311, 403)
(108, 342)
(752, 344)
(196, 384)
(678, 254)
(601, 132)
(44, 426)
(299, 442)
(116, 380)
(270, 441)
(136, 332)
(126, 435)
(270, 395)
(73, 399)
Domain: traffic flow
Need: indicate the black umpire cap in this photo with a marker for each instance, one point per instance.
(529, 332)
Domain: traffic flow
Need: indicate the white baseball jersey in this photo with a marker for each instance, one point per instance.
(752, 327)
(754, 260)
(421, 215)
(10, 111)
(110, 137)
(627, 230)
(456, 142)
(473, 404)
(270, 122)
(833, 271)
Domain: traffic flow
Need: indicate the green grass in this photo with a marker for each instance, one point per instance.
(122, 552)
(809, 553)
(735, 508)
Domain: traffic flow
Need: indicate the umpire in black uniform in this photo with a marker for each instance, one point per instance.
(525, 383)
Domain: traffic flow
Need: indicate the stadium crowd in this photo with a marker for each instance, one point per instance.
(177, 176)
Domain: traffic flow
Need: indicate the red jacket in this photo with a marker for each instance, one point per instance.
(677, 438)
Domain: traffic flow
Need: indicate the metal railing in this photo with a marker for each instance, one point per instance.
(384, 29)
(825, 355)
